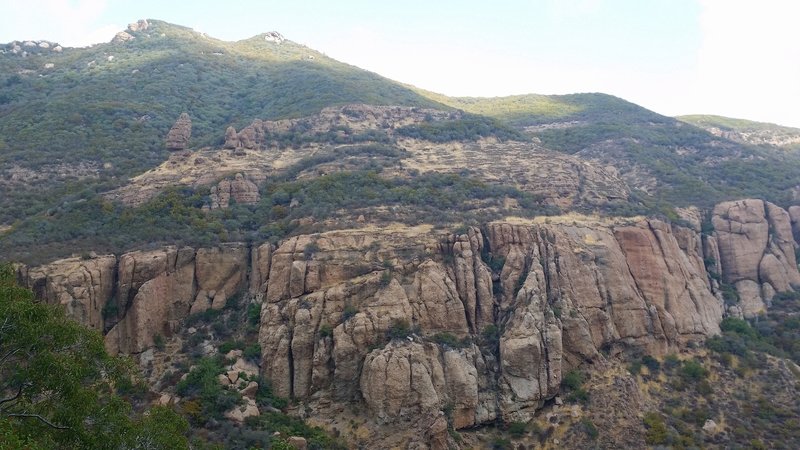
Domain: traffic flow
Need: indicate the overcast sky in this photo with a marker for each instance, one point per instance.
(729, 57)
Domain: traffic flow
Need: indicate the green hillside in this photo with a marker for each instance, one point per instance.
(758, 133)
(685, 163)
(110, 105)
(79, 122)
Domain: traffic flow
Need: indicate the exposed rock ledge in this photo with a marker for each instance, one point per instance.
(528, 300)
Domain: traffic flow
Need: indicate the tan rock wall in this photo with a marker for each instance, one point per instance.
(563, 294)
(757, 251)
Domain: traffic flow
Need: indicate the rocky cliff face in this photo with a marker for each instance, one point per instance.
(412, 323)
(82, 285)
(487, 342)
(756, 251)
(141, 294)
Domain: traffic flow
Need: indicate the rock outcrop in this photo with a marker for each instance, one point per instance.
(143, 294)
(413, 323)
(231, 138)
(82, 285)
(240, 189)
(331, 322)
(756, 250)
(180, 133)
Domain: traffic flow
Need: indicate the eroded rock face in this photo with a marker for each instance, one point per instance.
(145, 293)
(756, 250)
(221, 272)
(562, 293)
(180, 133)
(83, 286)
(412, 323)
(240, 189)
(156, 309)
(231, 138)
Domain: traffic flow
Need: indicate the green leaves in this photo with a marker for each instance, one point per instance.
(58, 386)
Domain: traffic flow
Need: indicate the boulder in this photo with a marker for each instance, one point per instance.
(240, 189)
(240, 413)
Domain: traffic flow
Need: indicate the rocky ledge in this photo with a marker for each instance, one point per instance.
(410, 322)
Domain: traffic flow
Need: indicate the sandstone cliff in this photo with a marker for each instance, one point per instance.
(413, 323)
(142, 294)
(564, 295)
(756, 251)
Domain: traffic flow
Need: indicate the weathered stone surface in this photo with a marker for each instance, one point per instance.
(139, 25)
(221, 270)
(260, 260)
(240, 190)
(564, 292)
(231, 138)
(757, 250)
(157, 306)
(297, 442)
(240, 413)
(83, 286)
(180, 133)
(122, 37)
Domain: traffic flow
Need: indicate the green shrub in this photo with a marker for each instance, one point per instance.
(579, 395)
(652, 364)
(573, 380)
(201, 384)
(729, 294)
(590, 428)
(309, 250)
(386, 278)
(325, 330)
(253, 352)
(159, 342)
(693, 370)
(265, 396)
(399, 329)
(517, 429)
(349, 312)
(450, 340)
(656, 429)
(491, 335)
(671, 361)
(500, 443)
(254, 314)
(227, 346)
